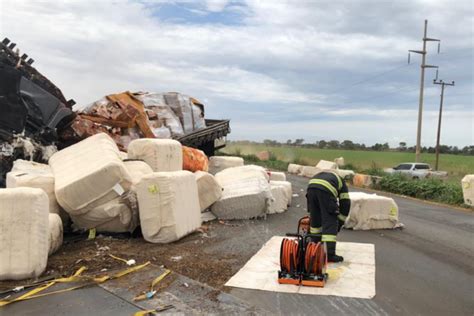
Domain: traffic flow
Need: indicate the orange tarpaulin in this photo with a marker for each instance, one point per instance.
(194, 160)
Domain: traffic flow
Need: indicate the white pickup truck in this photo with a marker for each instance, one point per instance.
(416, 170)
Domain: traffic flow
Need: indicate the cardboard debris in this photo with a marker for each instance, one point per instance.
(24, 232)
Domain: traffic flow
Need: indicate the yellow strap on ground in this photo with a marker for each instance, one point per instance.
(117, 258)
(159, 279)
(145, 313)
(74, 278)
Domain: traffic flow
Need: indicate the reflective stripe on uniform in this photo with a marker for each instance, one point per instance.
(330, 238)
(341, 217)
(325, 184)
(339, 181)
(343, 196)
(315, 230)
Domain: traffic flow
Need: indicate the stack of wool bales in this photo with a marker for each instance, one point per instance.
(246, 193)
(90, 180)
(24, 232)
(371, 211)
(36, 175)
(219, 163)
(168, 198)
(468, 189)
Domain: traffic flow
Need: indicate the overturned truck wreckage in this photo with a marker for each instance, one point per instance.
(36, 119)
(32, 109)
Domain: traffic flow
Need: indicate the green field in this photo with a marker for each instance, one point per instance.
(456, 165)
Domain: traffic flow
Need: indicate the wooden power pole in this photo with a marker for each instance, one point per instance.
(422, 84)
(443, 84)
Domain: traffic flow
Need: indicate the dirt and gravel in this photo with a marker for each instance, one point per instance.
(191, 256)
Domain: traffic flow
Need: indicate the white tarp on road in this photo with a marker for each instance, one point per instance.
(355, 277)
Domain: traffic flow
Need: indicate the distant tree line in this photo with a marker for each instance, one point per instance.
(350, 145)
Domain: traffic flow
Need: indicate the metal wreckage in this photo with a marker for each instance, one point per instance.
(36, 119)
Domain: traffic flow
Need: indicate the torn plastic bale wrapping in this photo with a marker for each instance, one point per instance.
(194, 160)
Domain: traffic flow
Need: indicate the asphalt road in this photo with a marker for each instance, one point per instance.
(425, 269)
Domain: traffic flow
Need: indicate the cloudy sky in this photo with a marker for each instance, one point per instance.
(279, 70)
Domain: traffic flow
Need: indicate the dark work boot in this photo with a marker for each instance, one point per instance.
(332, 257)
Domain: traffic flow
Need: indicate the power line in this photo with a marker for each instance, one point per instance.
(368, 79)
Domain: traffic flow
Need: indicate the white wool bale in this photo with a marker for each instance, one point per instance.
(343, 173)
(288, 189)
(246, 193)
(468, 189)
(339, 161)
(27, 165)
(279, 200)
(277, 176)
(219, 163)
(326, 165)
(137, 169)
(114, 217)
(168, 205)
(55, 233)
(294, 168)
(243, 172)
(88, 174)
(123, 155)
(371, 211)
(209, 190)
(24, 233)
(310, 171)
(36, 175)
(160, 154)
